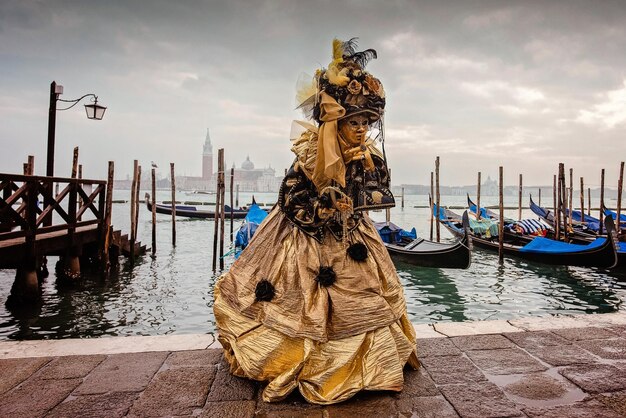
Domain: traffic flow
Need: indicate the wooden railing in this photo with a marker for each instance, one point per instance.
(29, 207)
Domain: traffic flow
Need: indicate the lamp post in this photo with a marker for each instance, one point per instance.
(94, 111)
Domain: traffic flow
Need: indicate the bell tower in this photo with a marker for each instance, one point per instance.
(207, 158)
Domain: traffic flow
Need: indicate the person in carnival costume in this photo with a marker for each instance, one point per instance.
(314, 301)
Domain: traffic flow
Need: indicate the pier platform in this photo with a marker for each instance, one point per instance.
(535, 367)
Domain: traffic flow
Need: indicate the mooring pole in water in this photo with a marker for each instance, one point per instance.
(478, 197)
(237, 197)
(133, 193)
(582, 200)
(563, 198)
(173, 183)
(588, 201)
(571, 196)
(501, 223)
(402, 206)
(555, 210)
(153, 172)
(222, 207)
(602, 201)
(519, 201)
(104, 258)
(620, 185)
(430, 202)
(137, 193)
(438, 201)
(218, 205)
(31, 165)
(232, 207)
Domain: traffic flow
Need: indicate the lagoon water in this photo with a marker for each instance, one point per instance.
(172, 291)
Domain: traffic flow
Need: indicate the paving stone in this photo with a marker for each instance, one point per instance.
(614, 348)
(193, 358)
(596, 378)
(122, 373)
(428, 347)
(227, 387)
(109, 405)
(447, 370)
(293, 402)
(35, 397)
(534, 339)
(417, 383)
(562, 355)
(292, 412)
(505, 361)
(228, 409)
(364, 404)
(425, 407)
(615, 401)
(577, 410)
(14, 371)
(618, 329)
(482, 342)
(70, 367)
(175, 392)
(480, 400)
(587, 333)
(538, 386)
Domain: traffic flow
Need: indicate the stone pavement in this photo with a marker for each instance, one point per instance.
(542, 367)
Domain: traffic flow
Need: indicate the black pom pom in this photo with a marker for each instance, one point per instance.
(264, 291)
(326, 276)
(358, 251)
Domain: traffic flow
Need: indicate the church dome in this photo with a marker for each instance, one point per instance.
(247, 165)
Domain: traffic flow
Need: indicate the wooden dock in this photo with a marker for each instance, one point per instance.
(74, 224)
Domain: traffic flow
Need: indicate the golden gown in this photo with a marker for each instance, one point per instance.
(328, 341)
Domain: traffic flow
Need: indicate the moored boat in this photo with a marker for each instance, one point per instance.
(189, 211)
(424, 253)
(600, 253)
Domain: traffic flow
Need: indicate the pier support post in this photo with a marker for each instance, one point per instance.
(25, 289)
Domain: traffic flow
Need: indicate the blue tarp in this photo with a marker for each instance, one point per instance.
(549, 246)
(392, 233)
(621, 247)
(483, 211)
(253, 219)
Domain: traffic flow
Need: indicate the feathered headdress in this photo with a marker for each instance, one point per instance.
(346, 81)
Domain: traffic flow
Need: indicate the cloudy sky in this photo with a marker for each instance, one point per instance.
(522, 84)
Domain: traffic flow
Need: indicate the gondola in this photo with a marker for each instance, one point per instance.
(193, 212)
(579, 232)
(424, 253)
(600, 253)
(524, 230)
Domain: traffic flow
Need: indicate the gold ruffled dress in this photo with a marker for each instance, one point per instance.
(328, 341)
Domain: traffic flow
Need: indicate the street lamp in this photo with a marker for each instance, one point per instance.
(94, 111)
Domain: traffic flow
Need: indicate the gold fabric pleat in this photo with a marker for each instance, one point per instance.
(329, 342)
(329, 165)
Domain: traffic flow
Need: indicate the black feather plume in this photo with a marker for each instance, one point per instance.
(363, 57)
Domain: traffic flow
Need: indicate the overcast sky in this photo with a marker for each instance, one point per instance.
(524, 84)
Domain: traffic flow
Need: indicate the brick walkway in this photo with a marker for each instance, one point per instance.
(556, 372)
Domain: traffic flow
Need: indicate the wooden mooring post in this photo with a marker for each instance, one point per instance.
(219, 204)
(106, 229)
(173, 182)
(563, 199)
(501, 223)
(620, 186)
(589, 201)
(402, 205)
(153, 176)
(478, 197)
(222, 210)
(519, 202)
(570, 201)
(438, 201)
(232, 180)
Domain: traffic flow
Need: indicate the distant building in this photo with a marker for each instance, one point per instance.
(247, 177)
